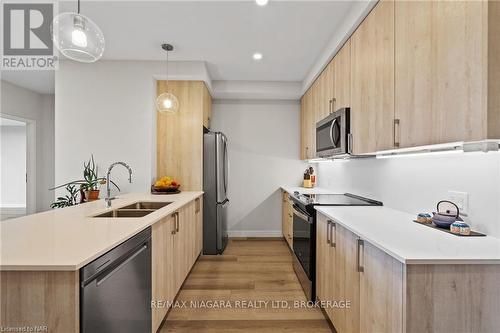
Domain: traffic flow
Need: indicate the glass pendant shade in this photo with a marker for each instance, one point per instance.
(77, 37)
(167, 103)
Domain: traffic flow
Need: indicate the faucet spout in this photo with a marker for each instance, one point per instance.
(108, 189)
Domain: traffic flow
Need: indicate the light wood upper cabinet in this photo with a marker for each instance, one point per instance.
(308, 126)
(180, 136)
(372, 81)
(207, 108)
(442, 71)
(341, 73)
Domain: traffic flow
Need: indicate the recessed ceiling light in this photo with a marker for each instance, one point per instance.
(257, 56)
(261, 2)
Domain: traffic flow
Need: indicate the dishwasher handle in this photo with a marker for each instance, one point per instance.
(104, 275)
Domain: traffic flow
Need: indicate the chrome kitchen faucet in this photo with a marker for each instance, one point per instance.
(108, 190)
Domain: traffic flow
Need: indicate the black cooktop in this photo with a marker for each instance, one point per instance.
(345, 199)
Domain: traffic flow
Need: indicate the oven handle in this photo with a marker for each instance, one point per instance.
(297, 211)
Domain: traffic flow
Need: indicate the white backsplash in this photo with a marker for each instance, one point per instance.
(416, 183)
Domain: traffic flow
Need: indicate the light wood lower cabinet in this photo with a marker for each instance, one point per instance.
(176, 245)
(287, 219)
(381, 291)
(386, 295)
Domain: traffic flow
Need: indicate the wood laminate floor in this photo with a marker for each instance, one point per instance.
(241, 281)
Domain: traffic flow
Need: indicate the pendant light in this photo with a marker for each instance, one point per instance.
(167, 103)
(77, 37)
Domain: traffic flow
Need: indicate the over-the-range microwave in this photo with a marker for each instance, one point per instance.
(333, 135)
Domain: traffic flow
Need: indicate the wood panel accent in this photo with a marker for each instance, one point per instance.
(372, 80)
(439, 61)
(248, 270)
(381, 292)
(36, 298)
(452, 298)
(180, 135)
(162, 260)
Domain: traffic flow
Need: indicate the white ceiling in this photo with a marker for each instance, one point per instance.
(290, 34)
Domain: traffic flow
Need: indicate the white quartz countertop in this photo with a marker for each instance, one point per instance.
(395, 233)
(305, 190)
(70, 238)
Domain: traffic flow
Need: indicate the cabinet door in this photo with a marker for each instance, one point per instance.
(347, 288)
(342, 78)
(163, 288)
(308, 142)
(199, 226)
(207, 108)
(381, 291)
(323, 260)
(324, 102)
(284, 215)
(372, 81)
(439, 78)
(289, 222)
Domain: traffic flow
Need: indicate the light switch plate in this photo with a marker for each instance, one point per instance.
(461, 199)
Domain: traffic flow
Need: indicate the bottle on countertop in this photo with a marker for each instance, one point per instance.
(307, 179)
(313, 177)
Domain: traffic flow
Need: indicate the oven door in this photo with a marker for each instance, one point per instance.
(331, 134)
(303, 225)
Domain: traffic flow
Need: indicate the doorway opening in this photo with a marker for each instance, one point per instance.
(17, 157)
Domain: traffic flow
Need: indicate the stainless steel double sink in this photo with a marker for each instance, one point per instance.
(138, 209)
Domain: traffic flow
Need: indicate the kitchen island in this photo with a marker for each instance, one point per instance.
(42, 254)
(400, 276)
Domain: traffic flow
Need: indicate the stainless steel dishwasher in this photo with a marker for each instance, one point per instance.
(115, 289)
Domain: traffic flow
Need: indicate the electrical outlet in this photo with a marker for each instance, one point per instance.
(461, 199)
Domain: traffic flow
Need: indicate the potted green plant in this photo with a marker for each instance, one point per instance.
(92, 181)
(88, 187)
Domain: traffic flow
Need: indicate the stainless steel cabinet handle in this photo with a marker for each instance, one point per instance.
(334, 101)
(333, 230)
(174, 224)
(328, 223)
(197, 203)
(177, 221)
(361, 252)
(397, 132)
(330, 106)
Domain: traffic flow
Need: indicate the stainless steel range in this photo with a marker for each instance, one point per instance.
(304, 232)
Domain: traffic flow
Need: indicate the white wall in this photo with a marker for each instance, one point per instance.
(415, 184)
(13, 165)
(263, 155)
(107, 108)
(24, 103)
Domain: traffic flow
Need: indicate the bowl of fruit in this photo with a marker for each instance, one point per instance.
(165, 185)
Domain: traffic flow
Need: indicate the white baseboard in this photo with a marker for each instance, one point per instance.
(255, 233)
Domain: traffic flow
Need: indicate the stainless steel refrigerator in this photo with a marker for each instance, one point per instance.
(215, 185)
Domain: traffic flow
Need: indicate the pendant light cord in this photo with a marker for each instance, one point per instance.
(167, 70)
(78, 6)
